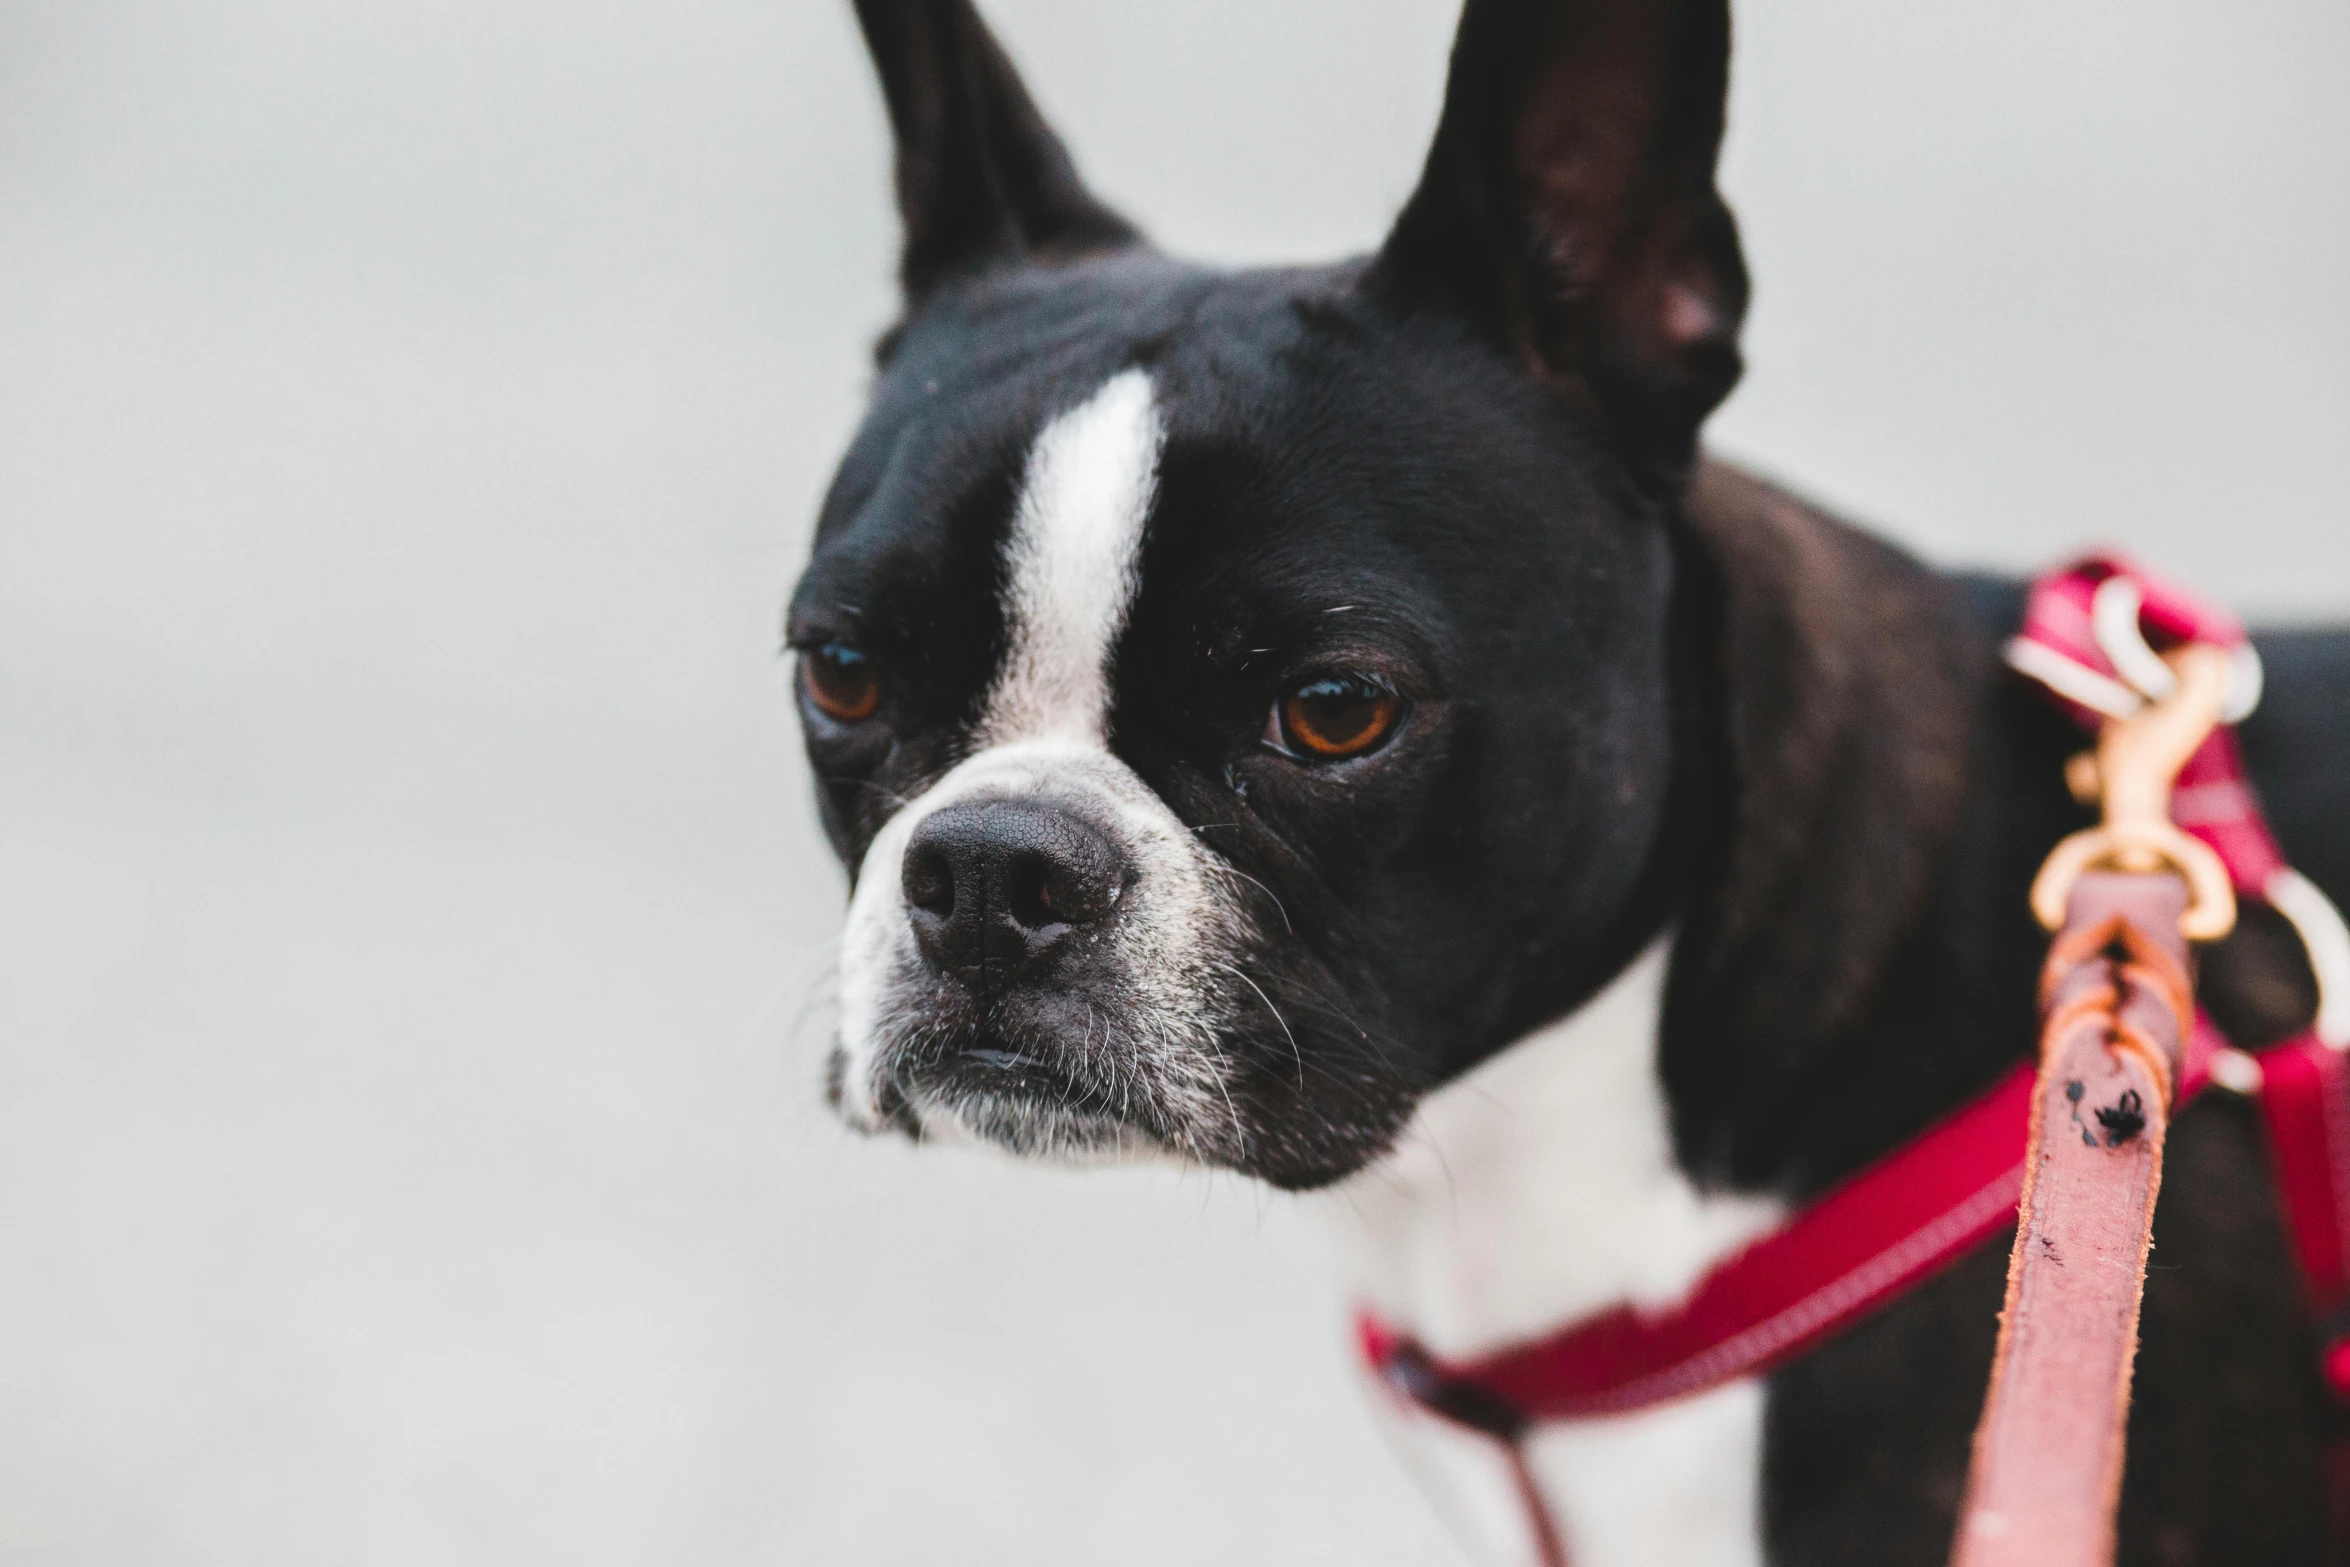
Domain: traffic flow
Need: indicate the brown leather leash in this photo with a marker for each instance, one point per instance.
(2117, 1006)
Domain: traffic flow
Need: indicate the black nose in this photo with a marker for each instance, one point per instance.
(994, 886)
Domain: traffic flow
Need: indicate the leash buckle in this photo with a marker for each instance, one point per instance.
(2130, 774)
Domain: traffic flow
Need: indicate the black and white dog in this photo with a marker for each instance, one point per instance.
(1332, 724)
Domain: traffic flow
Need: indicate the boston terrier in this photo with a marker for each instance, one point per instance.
(1334, 724)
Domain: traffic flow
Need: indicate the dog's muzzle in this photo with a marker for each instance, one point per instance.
(1033, 959)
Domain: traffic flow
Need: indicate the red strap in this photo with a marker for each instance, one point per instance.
(1895, 1224)
(2305, 1098)
(2213, 800)
(1864, 1242)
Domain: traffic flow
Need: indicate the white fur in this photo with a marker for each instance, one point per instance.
(1537, 1189)
(1072, 568)
(1074, 560)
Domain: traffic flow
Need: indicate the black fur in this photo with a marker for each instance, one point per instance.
(1641, 688)
(982, 180)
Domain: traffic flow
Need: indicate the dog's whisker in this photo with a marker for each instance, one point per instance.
(1270, 895)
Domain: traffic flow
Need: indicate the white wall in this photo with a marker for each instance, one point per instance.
(411, 922)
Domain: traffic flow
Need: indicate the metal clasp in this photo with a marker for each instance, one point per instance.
(2130, 774)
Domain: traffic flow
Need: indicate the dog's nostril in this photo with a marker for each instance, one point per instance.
(1075, 890)
(1028, 895)
(1041, 891)
(930, 882)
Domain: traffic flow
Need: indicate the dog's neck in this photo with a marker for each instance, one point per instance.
(1539, 1187)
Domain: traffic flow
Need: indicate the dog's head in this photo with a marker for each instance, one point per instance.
(1245, 700)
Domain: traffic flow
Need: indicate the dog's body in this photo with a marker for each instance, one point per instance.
(1263, 711)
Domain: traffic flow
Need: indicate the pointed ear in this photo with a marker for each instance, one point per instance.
(1569, 208)
(982, 180)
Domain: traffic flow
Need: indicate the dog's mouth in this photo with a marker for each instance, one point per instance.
(987, 1072)
(1021, 1095)
(1019, 1081)
(1075, 1077)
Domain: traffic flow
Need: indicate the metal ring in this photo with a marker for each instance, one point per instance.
(2071, 679)
(2246, 677)
(2114, 611)
(2113, 615)
(2327, 941)
(2236, 1071)
(2211, 897)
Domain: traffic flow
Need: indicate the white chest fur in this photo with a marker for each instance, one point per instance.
(1533, 1191)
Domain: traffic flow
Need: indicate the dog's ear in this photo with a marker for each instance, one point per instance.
(982, 180)
(1568, 206)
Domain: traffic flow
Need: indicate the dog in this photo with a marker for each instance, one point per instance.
(1335, 724)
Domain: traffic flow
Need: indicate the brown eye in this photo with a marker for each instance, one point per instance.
(1333, 717)
(841, 682)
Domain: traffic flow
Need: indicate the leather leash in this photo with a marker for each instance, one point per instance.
(2117, 1003)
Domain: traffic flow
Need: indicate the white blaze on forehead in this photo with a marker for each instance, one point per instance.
(1072, 564)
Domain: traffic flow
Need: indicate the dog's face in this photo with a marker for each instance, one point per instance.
(1244, 701)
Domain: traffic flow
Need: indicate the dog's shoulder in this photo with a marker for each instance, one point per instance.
(1876, 792)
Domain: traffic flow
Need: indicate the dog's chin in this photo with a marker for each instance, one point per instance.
(1033, 1129)
(1001, 1098)
(1024, 1094)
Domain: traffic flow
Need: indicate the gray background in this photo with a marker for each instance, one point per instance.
(411, 922)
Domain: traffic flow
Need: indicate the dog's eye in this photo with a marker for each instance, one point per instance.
(1332, 717)
(841, 682)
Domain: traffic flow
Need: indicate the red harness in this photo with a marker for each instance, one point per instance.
(2086, 637)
